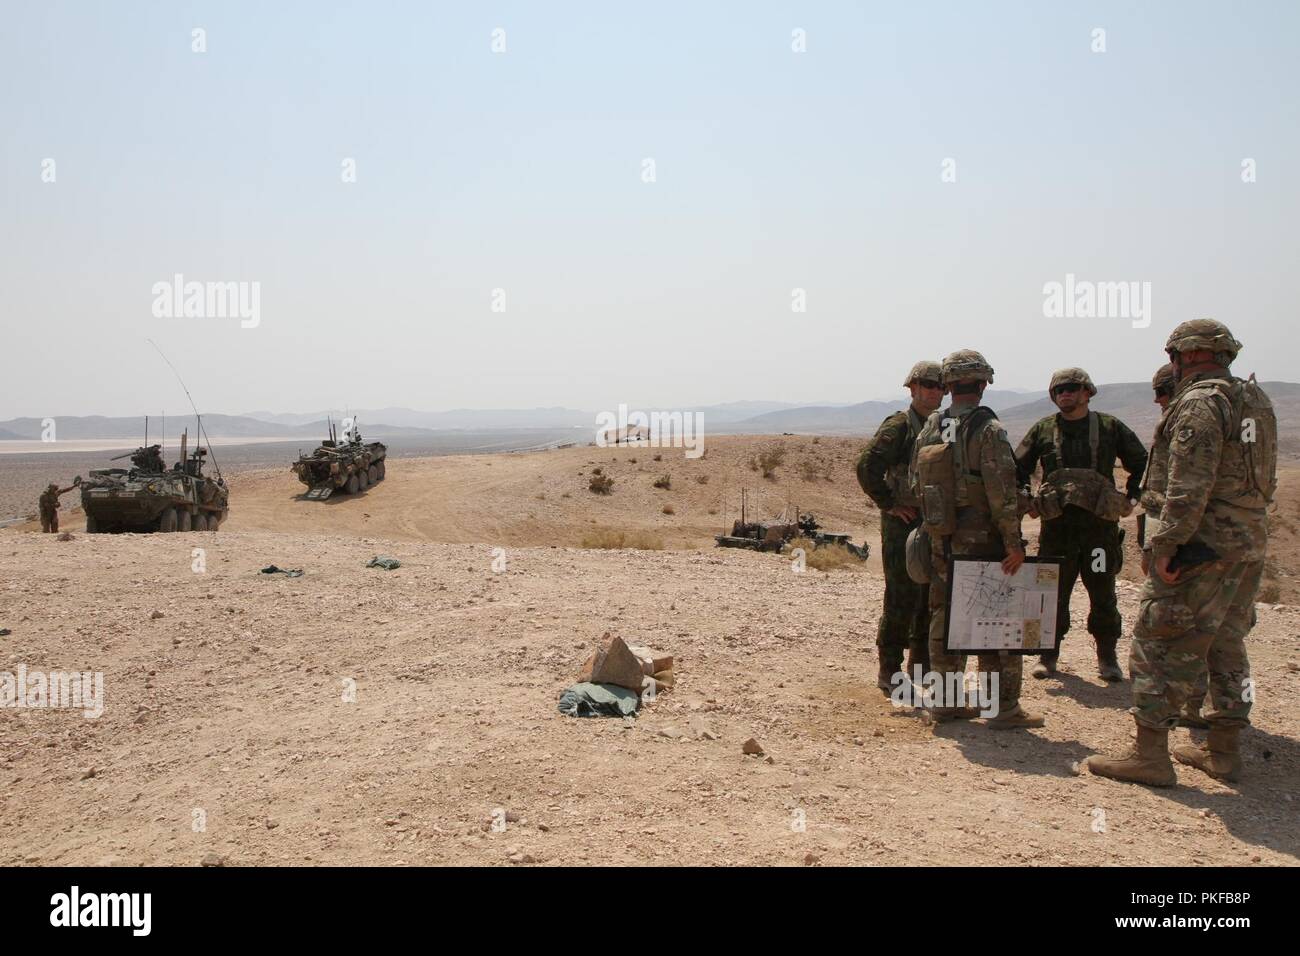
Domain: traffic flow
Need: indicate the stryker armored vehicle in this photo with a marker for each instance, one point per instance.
(349, 465)
(776, 535)
(147, 497)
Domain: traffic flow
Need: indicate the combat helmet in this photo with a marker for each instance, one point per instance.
(966, 364)
(1164, 378)
(1203, 334)
(1068, 376)
(924, 370)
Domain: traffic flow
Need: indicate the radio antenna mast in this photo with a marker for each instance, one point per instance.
(202, 430)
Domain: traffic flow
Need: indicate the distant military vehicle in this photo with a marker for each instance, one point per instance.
(776, 535)
(147, 497)
(350, 465)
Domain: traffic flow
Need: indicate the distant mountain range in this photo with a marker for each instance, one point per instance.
(1130, 401)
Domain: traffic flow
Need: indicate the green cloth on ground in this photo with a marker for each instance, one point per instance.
(272, 569)
(599, 700)
(382, 561)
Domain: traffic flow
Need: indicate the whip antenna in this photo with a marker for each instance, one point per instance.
(202, 431)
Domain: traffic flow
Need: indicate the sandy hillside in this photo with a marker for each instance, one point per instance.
(230, 703)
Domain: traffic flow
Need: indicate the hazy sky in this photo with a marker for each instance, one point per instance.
(524, 171)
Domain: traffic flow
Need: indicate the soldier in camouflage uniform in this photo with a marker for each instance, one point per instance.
(882, 472)
(1162, 384)
(987, 524)
(49, 506)
(1077, 448)
(1214, 466)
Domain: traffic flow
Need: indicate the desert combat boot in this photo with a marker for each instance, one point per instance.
(1148, 761)
(1219, 756)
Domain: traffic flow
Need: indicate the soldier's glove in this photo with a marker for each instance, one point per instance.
(76, 481)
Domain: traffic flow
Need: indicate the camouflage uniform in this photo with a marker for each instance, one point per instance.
(1214, 485)
(1163, 382)
(882, 472)
(1076, 535)
(49, 505)
(1203, 618)
(988, 526)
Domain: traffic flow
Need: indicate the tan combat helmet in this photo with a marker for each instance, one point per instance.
(966, 364)
(1164, 378)
(1203, 334)
(924, 370)
(1071, 376)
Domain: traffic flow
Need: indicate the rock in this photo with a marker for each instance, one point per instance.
(769, 760)
(88, 773)
(155, 615)
(66, 536)
(664, 680)
(752, 747)
(271, 824)
(613, 663)
(212, 859)
(811, 859)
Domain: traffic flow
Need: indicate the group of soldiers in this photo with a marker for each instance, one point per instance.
(953, 477)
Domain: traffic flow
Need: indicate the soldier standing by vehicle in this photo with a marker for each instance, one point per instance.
(964, 474)
(1214, 465)
(49, 505)
(1080, 507)
(882, 472)
(1162, 383)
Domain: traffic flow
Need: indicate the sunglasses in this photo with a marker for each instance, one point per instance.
(928, 383)
(1164, 392)
(1069, 389)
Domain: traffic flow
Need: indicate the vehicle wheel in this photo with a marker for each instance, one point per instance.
(214, 520)
(200, 522)
(380, 466)
(92, 526)
(372, 474)
(167, 523)
(183, 522)
(352, 484)
(363, 479)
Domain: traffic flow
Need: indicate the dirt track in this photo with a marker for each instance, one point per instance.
(231, 702)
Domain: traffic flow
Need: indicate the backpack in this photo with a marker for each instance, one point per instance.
(1253, 434)
(938, 466)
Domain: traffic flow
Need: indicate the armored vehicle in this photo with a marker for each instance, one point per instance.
(147, 497)
(776, 535)
(350, 465)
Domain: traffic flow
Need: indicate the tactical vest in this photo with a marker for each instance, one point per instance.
(943, 479)
(1085, 488)
(1247, 475)
(1156, 476)
(896, 476)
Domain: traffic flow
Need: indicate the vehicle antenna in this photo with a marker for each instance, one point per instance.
(192, 405)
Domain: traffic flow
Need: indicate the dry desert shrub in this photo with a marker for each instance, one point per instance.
(610, 538)
(601, 484)
(769, 460)
(664, 481)
(832, 557)
(701, 479)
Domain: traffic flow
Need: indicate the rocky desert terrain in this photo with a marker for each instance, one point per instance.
(360, 716)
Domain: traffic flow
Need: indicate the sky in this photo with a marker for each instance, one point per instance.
(666, 205)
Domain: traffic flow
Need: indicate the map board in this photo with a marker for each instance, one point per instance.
(989, 611)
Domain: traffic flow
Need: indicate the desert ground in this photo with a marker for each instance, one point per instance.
(361, 716)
